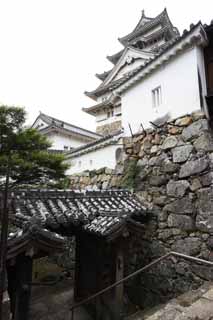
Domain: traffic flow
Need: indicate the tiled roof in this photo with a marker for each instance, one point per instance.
(102, 104)
(127, 76)
(53, 122)
(142, 28)
(102, 76)
(115, 57)
(32, 236)
(100, 143)
(99, 212)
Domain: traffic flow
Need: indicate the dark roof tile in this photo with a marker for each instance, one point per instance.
(97, 212)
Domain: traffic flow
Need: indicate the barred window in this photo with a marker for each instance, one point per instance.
(156, 97)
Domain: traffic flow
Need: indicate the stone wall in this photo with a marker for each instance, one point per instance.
(173, 175)
(171, 169)
(110, 128)
(103, 178)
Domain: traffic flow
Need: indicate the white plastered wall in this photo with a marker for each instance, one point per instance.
(93, 160)
(180, 93)
(59, 141)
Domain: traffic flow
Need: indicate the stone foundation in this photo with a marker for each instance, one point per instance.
(173, 175)
(110, 128)
(171, 170)
(102, 179)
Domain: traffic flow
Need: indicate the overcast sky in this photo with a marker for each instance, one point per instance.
(51, 49)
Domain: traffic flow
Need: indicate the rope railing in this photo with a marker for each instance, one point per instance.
(134, 274)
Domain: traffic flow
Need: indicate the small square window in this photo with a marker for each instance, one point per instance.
(156, 97)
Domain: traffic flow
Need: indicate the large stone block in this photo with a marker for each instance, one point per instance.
(160, 200)
(207, 179)
(177, 189)
(195, 184)
(197, 115)
(142, 162)
(182, 153)
(195, 129)
(146, 145)
(165, 234)
(204, 142)
(169, 167)
(193, 167)
(153, 161)
(154, 149)
(182, 222)
(169, 143)
(204, 219)
(190, 246)
(158, 180)
(183, 122)
(181, 206)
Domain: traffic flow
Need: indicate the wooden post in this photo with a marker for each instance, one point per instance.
(119, 274)
(23, 291)
(4, 220)
(12, 285)
(76, 294)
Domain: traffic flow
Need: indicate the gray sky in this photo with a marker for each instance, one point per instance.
(51, 49)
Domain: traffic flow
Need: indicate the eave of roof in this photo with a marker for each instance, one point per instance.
(115, 57)
(158, 33)
(144, 19)
(142, 29)
(93, 109)
(103, 85)
(34, 237)
(53, 121)
(98, 144)
(53, 128)
(102, 76)
(143, 53)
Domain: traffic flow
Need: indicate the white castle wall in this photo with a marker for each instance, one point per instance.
(180, 92)
(96, 159)
(60, 140)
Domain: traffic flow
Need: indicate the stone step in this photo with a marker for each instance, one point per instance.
(136, 316)
(196, 304)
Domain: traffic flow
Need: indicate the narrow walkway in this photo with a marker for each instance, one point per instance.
(53, 303)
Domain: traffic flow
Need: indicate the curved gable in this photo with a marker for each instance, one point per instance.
(130, 59)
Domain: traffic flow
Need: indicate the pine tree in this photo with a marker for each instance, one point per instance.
(25, 151)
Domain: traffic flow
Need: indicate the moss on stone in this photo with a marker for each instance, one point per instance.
(130, 173)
